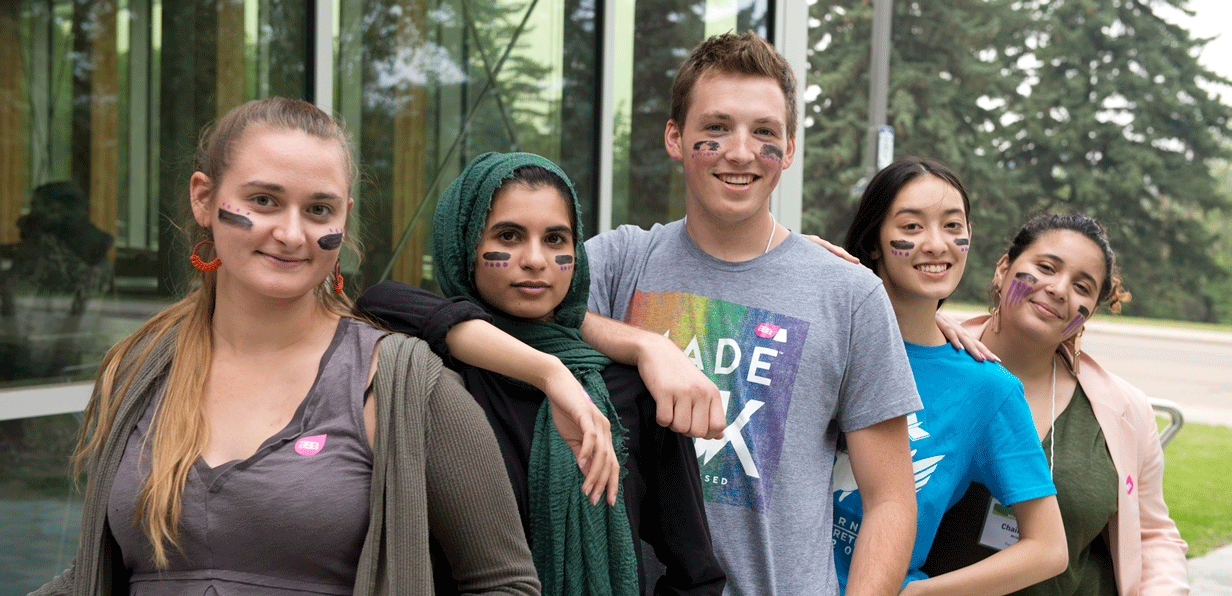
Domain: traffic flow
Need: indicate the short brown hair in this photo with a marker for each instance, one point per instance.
(729, 53)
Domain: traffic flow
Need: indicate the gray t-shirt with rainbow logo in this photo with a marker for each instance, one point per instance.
(802, 345)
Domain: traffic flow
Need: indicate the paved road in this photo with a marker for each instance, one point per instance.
(1211, 574)
(1190, 367)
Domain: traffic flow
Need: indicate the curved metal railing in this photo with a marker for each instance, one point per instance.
(1175, 419)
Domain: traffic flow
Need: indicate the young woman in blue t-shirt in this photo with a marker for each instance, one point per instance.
(912, 229)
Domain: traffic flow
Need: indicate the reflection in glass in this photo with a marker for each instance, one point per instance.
(40, 510)
(427, 86)
(103, 102)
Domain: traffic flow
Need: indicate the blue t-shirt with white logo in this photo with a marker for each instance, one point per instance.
(975, 426)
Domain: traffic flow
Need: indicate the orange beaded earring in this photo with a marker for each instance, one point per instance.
(202, 265)
(337, 278)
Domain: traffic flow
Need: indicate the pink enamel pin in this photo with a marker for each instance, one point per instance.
(1129, 485)
(766, 330)
(308, 446)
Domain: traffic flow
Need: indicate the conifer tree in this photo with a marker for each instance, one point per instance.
(1061, 105)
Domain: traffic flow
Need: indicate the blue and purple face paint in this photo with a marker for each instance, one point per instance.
(565, 262)
(1074, 325)
(901, 248)
(1020, 286)
(962, 243)
(229, 214)
(496, 259)
(332, 240)
(772, 153)
(705, 149)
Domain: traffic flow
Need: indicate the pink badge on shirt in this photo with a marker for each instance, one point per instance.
(1129, 485)
(766, 330)
(307, 446)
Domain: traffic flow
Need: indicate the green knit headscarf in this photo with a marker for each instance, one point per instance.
(579, 549)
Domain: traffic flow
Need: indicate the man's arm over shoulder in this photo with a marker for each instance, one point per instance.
(687, 401)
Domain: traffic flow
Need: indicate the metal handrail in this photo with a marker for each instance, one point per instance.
(1175, 419)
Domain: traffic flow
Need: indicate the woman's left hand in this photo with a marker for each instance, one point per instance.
(587, 432)
(961, 339)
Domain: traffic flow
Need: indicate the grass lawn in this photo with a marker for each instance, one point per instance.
(1197, 469)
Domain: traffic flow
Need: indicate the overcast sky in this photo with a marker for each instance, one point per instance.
(1211, 18)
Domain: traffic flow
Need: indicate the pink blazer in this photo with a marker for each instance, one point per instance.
(1148, 552)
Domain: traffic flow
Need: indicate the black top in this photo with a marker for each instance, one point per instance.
(418, 313)
(662, 487)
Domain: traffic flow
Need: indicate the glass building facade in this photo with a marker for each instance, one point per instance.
(102, 103)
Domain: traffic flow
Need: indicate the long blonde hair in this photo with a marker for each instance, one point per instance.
(179, 433)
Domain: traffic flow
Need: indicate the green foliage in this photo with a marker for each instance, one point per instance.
(1219, 222)
(1195, 472)
(1063, 105)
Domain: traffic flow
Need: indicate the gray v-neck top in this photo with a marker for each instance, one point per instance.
(290, 519)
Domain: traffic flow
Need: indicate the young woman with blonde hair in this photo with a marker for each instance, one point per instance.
(236, 442)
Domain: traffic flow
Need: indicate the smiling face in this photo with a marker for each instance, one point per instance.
(923, 242)
(734, 146)
(1052, 288)
(279, 213)
(524, 261)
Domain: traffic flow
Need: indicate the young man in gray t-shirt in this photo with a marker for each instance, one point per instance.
(801, 344)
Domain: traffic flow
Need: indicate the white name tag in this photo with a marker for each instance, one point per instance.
(1000, 526)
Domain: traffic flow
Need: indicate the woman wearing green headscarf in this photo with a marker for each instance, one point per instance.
(507, 238)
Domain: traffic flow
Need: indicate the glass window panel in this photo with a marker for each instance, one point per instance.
(103, 104)
(426, 86)
(40, 508)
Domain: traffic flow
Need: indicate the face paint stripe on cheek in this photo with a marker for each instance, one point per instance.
(1017, 292)
(711, 147)
(901, 248)
(235, 220)
(330, 241)
(772, 152)
(1083, 315)
(497, 259)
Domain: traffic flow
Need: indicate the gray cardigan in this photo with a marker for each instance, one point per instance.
(435, 459)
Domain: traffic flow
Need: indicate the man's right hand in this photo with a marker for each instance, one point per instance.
(686, 400)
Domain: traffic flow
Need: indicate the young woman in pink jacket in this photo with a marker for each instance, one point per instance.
(1098, 431)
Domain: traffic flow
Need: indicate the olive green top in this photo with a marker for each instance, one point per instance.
(1086, 484)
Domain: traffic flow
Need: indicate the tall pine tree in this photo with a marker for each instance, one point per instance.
(1062, 105)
